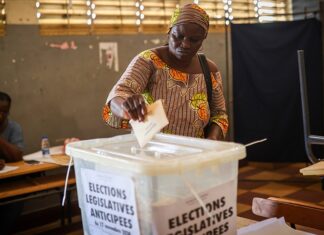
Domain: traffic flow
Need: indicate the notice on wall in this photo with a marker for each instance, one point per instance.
(109, 203)
(108, 55)
(216, 216)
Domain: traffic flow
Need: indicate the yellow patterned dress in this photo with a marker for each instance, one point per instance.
(184, 95)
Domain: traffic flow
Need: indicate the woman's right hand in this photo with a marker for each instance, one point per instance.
(134, 107)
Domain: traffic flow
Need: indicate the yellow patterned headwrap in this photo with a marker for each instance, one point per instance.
(190, 13)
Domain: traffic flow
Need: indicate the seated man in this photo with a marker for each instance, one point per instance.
(11, 150)
(11, 137)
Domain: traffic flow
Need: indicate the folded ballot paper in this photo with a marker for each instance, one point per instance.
(270, 227)
(154, 122)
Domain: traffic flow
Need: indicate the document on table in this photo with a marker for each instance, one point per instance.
(269, 227)
(154, 122)
(8, 168)
(57, 156)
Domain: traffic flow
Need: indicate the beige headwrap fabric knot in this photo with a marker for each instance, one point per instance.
(190, 13)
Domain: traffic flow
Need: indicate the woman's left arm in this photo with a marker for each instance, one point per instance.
(218, 114)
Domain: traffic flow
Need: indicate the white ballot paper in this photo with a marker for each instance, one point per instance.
(269, 227)
(154, 122)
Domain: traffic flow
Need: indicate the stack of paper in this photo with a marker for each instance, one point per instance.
(315, 169)
(270, 227)
(8, 168)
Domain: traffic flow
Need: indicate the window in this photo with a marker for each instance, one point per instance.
(260, 11)
(215, 10)
(105, 16)
(131, 16)
(2, 16)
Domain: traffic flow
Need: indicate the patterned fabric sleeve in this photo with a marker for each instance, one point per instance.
(133, 81)
(112, 120)
(218, 113)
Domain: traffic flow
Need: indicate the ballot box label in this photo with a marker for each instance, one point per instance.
(109, 203)
(212, 212)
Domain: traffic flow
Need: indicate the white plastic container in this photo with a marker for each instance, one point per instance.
(174, 185)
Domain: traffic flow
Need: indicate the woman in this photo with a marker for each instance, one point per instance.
(172, 73)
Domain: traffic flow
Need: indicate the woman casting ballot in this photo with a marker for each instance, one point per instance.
(173, 74)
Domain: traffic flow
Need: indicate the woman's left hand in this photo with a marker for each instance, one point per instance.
(215, 132)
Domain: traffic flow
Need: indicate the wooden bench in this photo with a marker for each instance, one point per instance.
(33, 185)
(294, 212)
(22, 184)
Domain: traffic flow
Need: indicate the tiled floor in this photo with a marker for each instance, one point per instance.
(278, 180)
(254, 180)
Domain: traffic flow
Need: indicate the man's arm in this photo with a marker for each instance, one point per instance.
(10, 151)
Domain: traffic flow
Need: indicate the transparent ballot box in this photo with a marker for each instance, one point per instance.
(174, 185)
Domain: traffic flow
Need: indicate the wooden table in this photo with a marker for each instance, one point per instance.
(31, 185)
(316, 169)
(13, 188)
(25, 169)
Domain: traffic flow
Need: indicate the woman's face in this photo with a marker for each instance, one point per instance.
(185, 40)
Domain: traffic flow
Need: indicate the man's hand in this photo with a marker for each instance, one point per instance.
(2, 164)
(11, 152)
(69, 140)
